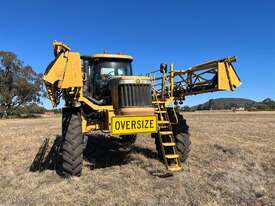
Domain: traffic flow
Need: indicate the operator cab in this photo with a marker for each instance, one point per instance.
(99, 70)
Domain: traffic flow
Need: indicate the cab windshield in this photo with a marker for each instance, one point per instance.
(104, 70)
(113, 68)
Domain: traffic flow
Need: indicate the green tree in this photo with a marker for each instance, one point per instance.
(211, 104)
(19, 84)
(270, 103)
(200, 107)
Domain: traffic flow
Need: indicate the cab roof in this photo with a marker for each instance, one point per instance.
(115, 56)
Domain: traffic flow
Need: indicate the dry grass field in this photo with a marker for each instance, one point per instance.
(232, 162)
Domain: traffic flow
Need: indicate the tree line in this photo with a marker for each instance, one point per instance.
(21, 88)
(234, 104)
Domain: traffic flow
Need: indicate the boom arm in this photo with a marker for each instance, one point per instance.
(63, 74)
(217, 75)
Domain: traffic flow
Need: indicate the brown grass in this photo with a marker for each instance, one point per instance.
(232, 163)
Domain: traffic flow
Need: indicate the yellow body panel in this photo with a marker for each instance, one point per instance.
(73, 74)
(65, 70)
(235, 81)
(55, 70)
(227, 77)
(91, 127)
(95, 106)
(83, 123)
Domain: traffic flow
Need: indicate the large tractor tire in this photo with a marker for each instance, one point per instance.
(182, 137)
(72, 145)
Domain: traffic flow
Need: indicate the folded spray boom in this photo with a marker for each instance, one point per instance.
(217, 75)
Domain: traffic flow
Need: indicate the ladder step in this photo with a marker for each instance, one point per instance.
(165, 132)
(163, 122)
(160, 111)
(172, 156)
(164, 126)
(158, 102)
(174, 168)
(169, 144)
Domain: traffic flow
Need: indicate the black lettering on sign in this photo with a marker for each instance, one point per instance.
(122, 124)
(151, 123)
(128, 125)
(133, 124)
(138, 124)
(117, 125)
(146, 123)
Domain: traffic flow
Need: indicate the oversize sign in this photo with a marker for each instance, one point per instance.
(134, 124)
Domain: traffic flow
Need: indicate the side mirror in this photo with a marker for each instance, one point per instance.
(163, 68)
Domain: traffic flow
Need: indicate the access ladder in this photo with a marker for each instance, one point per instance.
(165, 136)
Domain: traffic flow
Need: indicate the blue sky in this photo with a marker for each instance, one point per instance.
(182, 32)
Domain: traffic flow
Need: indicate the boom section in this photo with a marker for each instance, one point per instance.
(64, 74)
(217, 75)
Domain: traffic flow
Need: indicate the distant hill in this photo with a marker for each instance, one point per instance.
(235, 103)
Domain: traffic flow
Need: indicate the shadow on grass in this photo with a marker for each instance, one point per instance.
(45, 160)
(101, 151)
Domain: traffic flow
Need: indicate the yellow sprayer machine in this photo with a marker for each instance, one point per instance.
(101, 93)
